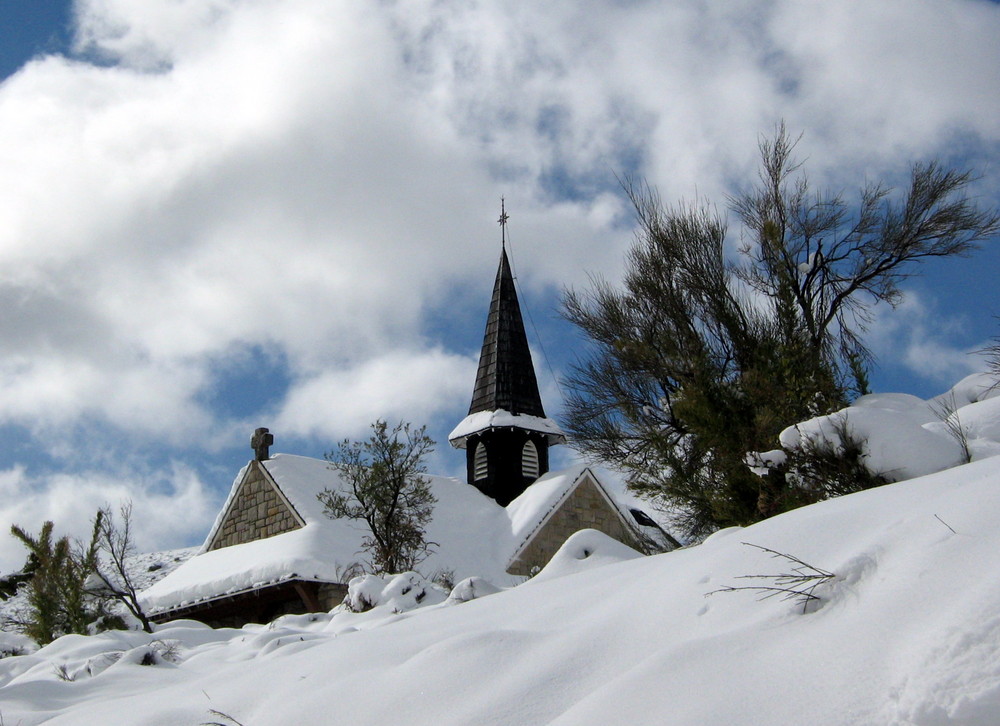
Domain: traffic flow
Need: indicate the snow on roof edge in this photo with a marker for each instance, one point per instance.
(315, 549)
(555, 501)
(233, 593)
(236, 592)
(480, 421)
(324, 546)
(542, 510)
(221, 516)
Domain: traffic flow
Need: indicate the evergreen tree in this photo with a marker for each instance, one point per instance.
(58, 599)
(701, 357)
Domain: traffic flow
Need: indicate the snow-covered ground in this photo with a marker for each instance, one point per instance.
(907, 632)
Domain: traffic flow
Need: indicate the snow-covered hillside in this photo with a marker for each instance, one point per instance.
(907, 632)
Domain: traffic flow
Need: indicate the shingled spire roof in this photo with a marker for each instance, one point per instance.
(506, 392)
(506, 378)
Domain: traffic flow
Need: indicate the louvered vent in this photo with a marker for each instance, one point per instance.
(529, 460)
(481, 465)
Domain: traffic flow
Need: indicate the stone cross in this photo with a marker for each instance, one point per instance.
(260, 442)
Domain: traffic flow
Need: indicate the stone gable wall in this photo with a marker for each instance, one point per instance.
(331, 594)
(257, 513)
(586, 508)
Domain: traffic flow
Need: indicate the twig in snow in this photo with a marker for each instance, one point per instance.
(945, 524)
(229, 719)
(798, 585)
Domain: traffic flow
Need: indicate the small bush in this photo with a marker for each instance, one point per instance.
(826, 469)
(58, 601)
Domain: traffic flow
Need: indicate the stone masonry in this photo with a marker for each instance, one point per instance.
(586, 508)
(331, 594)
(258, 512)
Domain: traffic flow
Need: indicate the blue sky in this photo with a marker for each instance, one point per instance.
(29, 28)
(227, 214)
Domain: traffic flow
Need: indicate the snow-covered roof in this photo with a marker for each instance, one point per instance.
(481, 421)
(530, 511)
(475, 536)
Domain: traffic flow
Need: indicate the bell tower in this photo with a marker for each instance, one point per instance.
(506, 434)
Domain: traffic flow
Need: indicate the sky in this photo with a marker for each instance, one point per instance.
(226, 214)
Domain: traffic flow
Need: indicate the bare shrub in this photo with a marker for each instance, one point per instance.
(798, 584)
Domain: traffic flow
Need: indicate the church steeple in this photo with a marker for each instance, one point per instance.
(506, 434)
(506, 378)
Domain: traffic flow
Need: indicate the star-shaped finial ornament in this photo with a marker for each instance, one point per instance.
(503, 214)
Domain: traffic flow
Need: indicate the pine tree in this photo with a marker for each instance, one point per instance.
(58, 600)
(702, 356)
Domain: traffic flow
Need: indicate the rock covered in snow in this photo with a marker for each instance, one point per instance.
(471, 588)
(397, 593)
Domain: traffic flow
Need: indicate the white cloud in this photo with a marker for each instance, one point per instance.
(402, 384)
(229, 198)
(893, 77)
(149, 35)
(919, 337)
(171, 510)
(317, 178)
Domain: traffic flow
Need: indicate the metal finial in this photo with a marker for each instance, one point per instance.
(503, 223)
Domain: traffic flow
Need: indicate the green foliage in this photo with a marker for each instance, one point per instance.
(703, 355)
(825, 469)
(58, 599)
(386, 490)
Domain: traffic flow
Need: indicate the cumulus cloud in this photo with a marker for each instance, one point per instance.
(172, 509)
(401, 385)
(318, 180)
(894, 70)
(930, 344)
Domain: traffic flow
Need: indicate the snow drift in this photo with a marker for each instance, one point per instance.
(906, 632)
(904, 436)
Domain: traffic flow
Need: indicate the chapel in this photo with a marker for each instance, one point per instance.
(273, 551)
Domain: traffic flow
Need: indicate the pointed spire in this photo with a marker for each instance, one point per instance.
(506, 434)
(506, 394)
(506, 378)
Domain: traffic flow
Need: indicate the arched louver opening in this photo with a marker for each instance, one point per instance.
(480, 463)
(529, 460)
